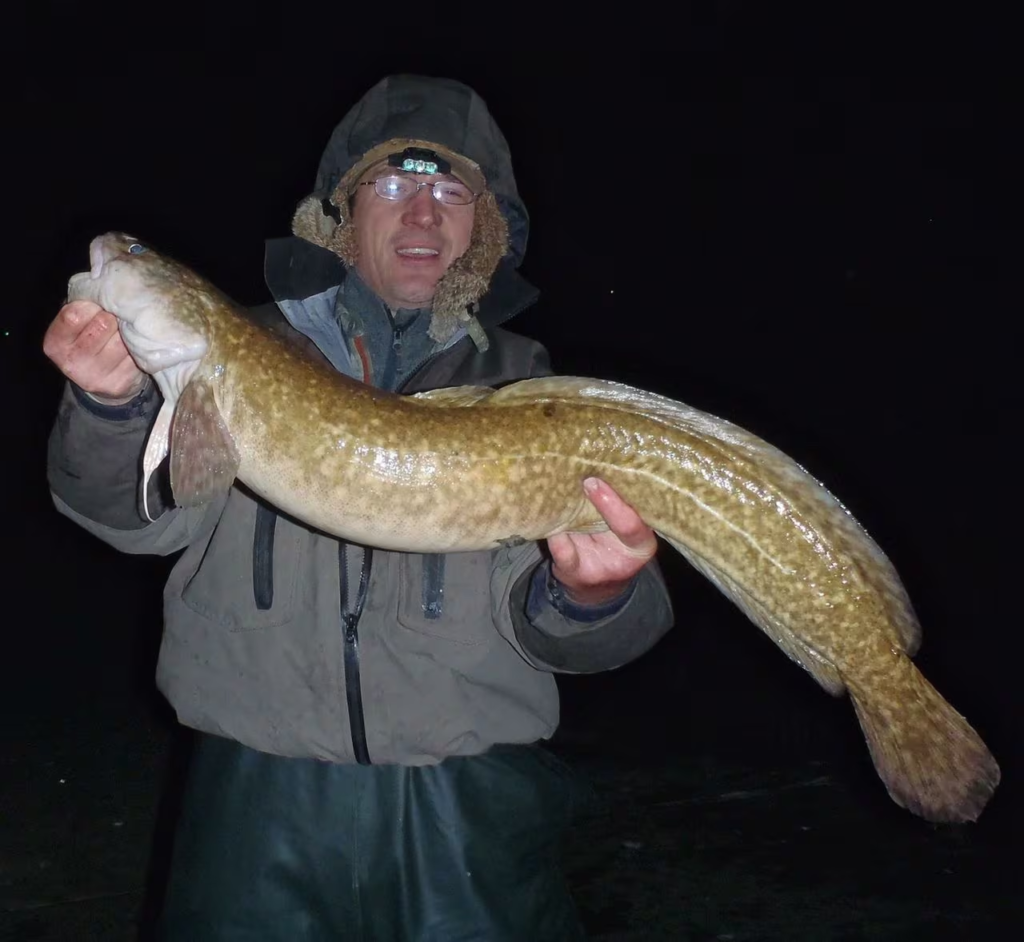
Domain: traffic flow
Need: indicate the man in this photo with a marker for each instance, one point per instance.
(367, 765)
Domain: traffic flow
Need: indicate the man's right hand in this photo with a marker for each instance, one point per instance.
(85, 344)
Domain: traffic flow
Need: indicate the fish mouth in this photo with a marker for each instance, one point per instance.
(105, 248)
(97, 257)
(80, 288)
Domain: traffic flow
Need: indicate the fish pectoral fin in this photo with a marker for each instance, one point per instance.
(800, 652)
(454, 395)
(156, 450)
(204, 458)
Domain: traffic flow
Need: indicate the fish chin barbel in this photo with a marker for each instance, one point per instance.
(470, 468)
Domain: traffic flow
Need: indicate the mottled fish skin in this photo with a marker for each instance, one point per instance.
(472, 468)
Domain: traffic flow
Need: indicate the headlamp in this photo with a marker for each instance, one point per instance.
(419, 160)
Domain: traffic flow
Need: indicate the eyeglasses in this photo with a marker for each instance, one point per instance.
(397, 187)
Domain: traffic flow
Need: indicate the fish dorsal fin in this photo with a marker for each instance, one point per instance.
(744, 444)
(606, 393)
(598, 392)
(454, 395)
(819, 668)
(619, 396)
(204, 458)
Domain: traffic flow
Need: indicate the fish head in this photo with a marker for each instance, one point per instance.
(159, 304)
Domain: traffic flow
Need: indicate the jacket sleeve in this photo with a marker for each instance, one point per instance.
(94, 469)
(558, 635)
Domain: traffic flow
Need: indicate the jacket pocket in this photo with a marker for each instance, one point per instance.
(446, 597)
(247, 577)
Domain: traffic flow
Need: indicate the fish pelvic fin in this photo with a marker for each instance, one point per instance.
(204, 458)
(932, 762)
(797, 650)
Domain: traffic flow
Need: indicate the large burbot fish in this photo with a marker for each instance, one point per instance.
(470, 468)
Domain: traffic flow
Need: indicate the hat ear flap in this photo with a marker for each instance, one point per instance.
(312, 223)
(469, 276)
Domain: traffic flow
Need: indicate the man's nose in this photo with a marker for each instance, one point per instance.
(422, 209)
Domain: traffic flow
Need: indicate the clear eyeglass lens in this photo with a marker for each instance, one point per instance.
(453, 192)
(394, 188)
(400, 188)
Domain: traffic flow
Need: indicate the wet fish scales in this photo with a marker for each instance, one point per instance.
(471, 468)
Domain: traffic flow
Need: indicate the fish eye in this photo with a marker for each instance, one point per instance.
(136, 248)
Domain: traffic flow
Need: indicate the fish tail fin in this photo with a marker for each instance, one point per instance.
(930, 759)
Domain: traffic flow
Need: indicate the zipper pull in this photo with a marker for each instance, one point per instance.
(473, 327)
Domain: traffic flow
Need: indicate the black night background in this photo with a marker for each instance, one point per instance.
(826, 259)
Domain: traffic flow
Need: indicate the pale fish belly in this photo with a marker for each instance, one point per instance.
(414, 503)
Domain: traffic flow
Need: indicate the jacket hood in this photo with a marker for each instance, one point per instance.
(450, 118)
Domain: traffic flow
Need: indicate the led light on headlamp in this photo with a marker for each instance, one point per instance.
(419, 160)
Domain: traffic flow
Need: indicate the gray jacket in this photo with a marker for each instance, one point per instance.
(271, 639)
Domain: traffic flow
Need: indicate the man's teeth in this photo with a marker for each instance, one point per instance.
(417, 251)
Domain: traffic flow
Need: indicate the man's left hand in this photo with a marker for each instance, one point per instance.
(596, 567)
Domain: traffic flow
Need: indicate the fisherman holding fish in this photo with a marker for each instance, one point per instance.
(368, 722)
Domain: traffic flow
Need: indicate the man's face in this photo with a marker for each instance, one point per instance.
(405, 246)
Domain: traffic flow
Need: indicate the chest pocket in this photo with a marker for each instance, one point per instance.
(446, 596)
(247, 578)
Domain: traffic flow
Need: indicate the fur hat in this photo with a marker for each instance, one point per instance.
(452, 120)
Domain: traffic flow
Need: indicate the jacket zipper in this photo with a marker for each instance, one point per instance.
(350, 612)
(351, 609)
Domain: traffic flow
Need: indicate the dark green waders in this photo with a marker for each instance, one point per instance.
(296, 850)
